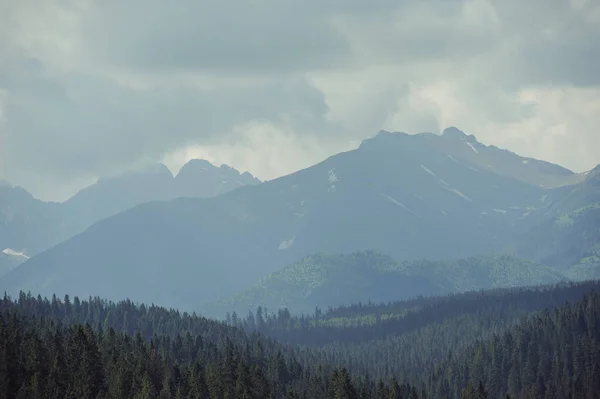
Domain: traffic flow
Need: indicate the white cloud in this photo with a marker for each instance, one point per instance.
(563, 126)
(264, 149)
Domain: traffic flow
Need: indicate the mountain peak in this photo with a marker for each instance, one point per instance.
(150, 168)
(198, 165)
(455, 133)
(593, 175)
(158, 168)
(228, 168)
(382, 138)
(595, 171)
(250, 176)
(154, 169)
(202, 165)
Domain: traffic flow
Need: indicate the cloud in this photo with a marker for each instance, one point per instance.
(264, 37)
(91, 87)
(264, 148)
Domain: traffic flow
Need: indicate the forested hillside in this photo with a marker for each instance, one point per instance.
(525, 343)
(569, 237)
(365, 337)
(571, 242)
(325, 280)
(552, 355)
(87, 349)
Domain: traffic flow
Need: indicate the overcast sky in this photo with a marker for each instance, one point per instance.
(88, 88)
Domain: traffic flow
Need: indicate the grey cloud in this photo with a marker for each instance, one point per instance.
(266, 37)
(540, 42)
(555, 43)
(574, 62)
(81, 116)
(75, 125)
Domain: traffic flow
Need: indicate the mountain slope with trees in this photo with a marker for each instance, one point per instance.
(95, 348)
(327, 280)
(569, 237)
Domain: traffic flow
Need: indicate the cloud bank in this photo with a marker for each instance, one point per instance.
(88, 88)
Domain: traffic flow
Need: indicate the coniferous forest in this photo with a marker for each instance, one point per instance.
(520, 343)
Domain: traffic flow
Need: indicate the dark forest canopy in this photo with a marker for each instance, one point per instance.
(528, 343)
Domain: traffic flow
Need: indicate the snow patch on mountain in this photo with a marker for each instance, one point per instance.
(400, 204)
(12, 252)
(428, 170)
(472, 147)
(457, 192)
(332, 177)
(286, 244)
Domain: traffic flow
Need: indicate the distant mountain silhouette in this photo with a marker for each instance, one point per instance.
(31, 225)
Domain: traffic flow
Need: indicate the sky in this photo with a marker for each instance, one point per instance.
(89, 88)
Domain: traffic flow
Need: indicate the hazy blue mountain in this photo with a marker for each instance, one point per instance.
(506, 163)
(30, 225)
(9, 259)
(568, 237)
(410, 196)
(200, 179)
(26, 223)
(109, 196)
(331, 280)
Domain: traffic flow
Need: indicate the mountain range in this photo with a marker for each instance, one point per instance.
(30, 226)
(412, 197)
